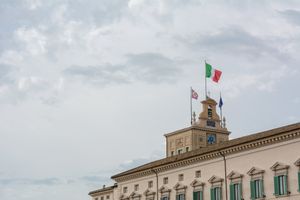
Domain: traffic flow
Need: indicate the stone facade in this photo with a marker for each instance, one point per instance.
(264, 165)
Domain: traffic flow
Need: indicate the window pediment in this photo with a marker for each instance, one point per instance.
(234, 175)
(149, 192)
(279, 166)
(297, 163)
(197, 183)
(164, 189)
(124, 197)
(179, 186)
(135, 195)
(215, 179)
(255, 171)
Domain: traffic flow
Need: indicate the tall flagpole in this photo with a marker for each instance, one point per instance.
(205, 79)
(191, 105)
(221, 109)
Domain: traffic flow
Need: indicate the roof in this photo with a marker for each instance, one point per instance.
(104, 189)
(201, 151)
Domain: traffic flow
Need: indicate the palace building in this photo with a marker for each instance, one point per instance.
(202, 163)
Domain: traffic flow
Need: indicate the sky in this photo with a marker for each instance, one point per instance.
(89, 88)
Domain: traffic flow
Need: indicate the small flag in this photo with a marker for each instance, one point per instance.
(212, 73)
(220, 102)
(194, 94)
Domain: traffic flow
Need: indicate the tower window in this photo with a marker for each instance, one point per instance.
(124, 189)
(179, 151)
(150, 184)
(187, 149)
(209, 112)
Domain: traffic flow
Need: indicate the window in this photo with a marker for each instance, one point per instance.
(256, 187)
(124, 190)
(215, 193)
(198, 174)
(96, 198)
(180, 177)
(187, 149)
(150, 184)
(280, 185)
(180, 197)
(102, 198)
(179, 151)
(299, 181)
(172, 153)
(107, 196)
(197, 195)
(136, 187)
(209, 112)
(165, 198)
(236, 191)
(165, 180)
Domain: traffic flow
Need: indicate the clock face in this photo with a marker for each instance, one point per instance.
(211, 139)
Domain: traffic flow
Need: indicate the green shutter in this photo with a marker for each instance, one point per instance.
(276, 189)
(201, 195)
(262, 188)
(212, 194)
(241, 191)
(285, 184)
(194, 195)
(298, 181)
(252, 189)
(231, 188)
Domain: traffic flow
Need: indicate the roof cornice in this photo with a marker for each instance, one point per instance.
(200, 155)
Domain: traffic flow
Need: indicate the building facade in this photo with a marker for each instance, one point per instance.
(203, 164)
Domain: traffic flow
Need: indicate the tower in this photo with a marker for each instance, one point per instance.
(204, 132)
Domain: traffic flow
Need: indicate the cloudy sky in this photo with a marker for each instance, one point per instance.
(88, 88)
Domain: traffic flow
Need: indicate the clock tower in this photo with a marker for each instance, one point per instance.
(208, 130)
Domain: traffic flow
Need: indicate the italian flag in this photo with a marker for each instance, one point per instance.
(212, 73)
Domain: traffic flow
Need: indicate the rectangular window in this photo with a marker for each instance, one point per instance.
(215, 193)
(180, 177)
(165, 180)
(198, 174)
(179, 151)
(136, 187)
(150, 184)
(256, 187)
(187, 149)
(280, 185)
(236, 191)
(107, 196)
(124, 190)
(198, 195)
(180, 197)
(96, 198)
(102, 198)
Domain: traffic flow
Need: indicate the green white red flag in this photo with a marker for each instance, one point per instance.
(212, 73)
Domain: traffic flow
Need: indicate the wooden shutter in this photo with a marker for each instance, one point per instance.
(276, 189)
(298, 181)
(285, 184)
(195, 196)
(231, 188)
(262, 188)
(252, 189)
(212, 194)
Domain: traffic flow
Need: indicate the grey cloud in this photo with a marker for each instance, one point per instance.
(27, 181)
(234, 40)
(145, 67)
(292, 16)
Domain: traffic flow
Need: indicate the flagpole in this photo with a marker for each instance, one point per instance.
(191, 105)
(221, 111)
(205, 80)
